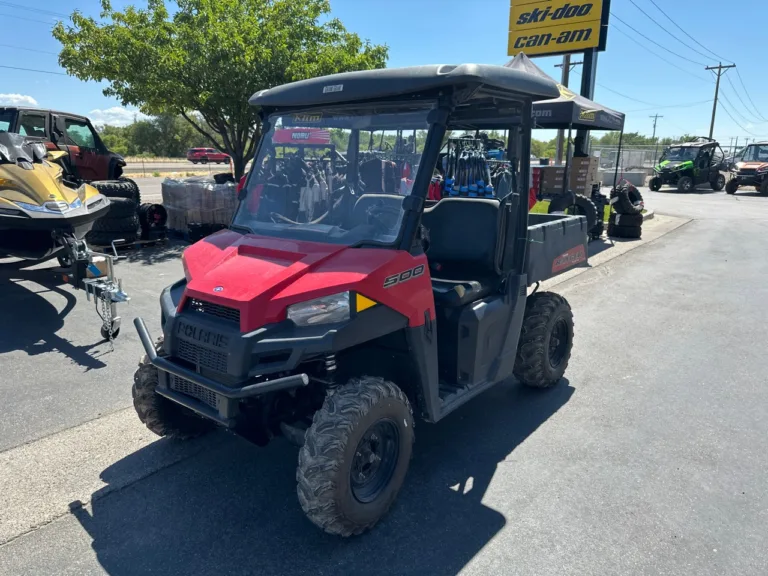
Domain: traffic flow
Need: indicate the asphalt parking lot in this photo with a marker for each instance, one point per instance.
(647, 459)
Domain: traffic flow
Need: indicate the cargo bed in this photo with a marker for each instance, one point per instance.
(556, 243)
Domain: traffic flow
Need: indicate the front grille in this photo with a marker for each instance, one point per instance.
(212, 309)
(194, 390)
(747, 171)
(202, 357)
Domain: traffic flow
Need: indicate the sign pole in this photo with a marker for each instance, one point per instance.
(588, 76)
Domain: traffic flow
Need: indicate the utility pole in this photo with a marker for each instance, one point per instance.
(720, 71)
(655, 119)
(567, 66)
(656, 150)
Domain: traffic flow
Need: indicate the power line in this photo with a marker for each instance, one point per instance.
(735, 110)
(685, 105)
(686, 33)
(27, 19)
(657, 56)
(667, 31)
(743, 103)
(28, 49)
(32, 70)
(622, 95)
(748, 96)
(739, 125)
(38, 10)
(654, 42)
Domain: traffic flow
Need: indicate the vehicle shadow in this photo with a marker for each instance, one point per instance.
(170, 250)
(30, 321)
(234, 509)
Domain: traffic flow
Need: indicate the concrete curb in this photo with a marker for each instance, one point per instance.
(649, 214)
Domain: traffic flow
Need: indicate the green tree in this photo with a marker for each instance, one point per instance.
(209, 57)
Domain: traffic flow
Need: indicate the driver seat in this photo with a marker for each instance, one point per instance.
(465, 249)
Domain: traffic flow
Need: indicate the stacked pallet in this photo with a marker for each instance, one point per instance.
(198, 200)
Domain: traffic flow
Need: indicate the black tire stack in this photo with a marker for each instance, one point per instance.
(121, 221)
(626, 220)
(153, 219)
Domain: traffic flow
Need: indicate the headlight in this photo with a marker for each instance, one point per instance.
(325, 310)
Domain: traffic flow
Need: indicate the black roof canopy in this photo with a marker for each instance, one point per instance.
(566, 108)
(470, 82)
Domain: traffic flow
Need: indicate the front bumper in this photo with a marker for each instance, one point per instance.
(225, 398)
(749, 179)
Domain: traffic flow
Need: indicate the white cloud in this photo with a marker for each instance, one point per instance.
(17, 100)
(115, 116)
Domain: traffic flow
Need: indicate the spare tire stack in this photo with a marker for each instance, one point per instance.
(121, 222)
(626, 220)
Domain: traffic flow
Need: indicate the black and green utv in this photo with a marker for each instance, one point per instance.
(687, 165)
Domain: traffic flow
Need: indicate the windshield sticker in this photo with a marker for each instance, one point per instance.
(333, 88)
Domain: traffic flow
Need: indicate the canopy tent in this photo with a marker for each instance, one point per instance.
(570, 111)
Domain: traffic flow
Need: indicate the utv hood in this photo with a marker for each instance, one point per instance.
(261, 276)
(757, 166)
(675, 165)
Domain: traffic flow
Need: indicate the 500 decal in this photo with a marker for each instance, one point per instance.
(390, 281)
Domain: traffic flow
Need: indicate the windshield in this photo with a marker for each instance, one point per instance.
(680, 153)
(337, 177)
(757, 153)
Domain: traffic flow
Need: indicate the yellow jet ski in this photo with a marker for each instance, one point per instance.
(42, 216)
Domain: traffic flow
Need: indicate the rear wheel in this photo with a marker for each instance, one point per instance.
(685, 184)
(355, 456)
(655, 184)
(731, 186)
(160, 415)
(718, 183)
(546, 340)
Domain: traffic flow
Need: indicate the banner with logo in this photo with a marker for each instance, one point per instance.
(550, 27)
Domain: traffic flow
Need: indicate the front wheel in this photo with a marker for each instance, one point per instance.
(718, 183)
(764, 187)
(160, 415)
(545, 341)
(655, 184)
(731, 186)
(355, 456)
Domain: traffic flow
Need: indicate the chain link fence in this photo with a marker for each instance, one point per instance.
(637, 157)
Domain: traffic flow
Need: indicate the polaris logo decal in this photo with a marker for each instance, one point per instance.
(569, 259)
(390, 281)
(538, 15)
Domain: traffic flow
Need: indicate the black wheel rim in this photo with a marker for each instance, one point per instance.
(375, 460)
(558, 343)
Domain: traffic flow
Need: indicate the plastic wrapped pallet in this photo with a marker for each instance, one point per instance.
(198, 200)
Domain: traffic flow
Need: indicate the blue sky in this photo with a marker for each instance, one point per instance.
(449, 31)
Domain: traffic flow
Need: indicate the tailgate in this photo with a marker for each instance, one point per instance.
(556, 243)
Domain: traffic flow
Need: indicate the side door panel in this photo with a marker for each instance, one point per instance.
(81, 143)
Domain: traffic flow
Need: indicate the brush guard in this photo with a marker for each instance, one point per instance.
(101, 285)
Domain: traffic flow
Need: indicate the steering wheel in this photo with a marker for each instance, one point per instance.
(384, 217)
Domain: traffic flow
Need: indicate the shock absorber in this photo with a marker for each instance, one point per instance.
(330, 370)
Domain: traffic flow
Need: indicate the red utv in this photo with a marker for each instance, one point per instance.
(335, 309)
(206, 155)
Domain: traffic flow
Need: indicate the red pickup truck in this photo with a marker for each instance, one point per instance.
(205, 155)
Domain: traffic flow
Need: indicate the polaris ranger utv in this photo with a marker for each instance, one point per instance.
(751, 169)
(688, 165)
(340, 302)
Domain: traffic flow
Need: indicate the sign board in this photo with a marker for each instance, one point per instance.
(317, 136)
(550, 27)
